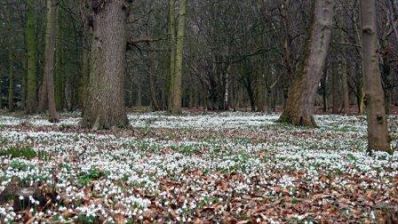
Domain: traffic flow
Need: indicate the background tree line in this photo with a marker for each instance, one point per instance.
(99, 56)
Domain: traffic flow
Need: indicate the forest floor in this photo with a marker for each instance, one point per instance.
(198, 168)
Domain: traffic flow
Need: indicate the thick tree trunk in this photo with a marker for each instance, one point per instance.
(378, 138)
(105, 106)
(31, 66)
(299, 108)
(176, 77)
(51, 33)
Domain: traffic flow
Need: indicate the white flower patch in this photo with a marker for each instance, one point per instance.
(39, 121)
(103, 174)
(92, 210)
(286, 181)
(214, 121)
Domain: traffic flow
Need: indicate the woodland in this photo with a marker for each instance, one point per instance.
(198, 111)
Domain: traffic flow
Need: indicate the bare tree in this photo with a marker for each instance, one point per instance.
(50, 58)
(299, 108)
(378, 138)
(178, 45)
(31, 52)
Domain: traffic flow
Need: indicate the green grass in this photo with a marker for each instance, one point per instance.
(93, 174)
(351, 157)
(24, 152)
(85, 219)
(19, 165)
(186, 149)
(16, 152)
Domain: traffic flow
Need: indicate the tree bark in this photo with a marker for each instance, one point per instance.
(261, 89)
(51, 33)
(60, 62)
(227, 84)
(336, 96)
(43, 99)
(300, 103)
(86, 37)
(31, 66)
(138, 100)
(172, 51)
(152, 81)
(345, 92)
(176, 80)
(1, 97)
(378, 138)
(324, 90)
(10, 81)
(105, 106)
(386, 74)
(360, 89)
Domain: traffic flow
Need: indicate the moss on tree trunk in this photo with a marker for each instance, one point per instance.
(176, 65)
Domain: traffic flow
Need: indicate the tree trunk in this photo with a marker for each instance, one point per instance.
(84, 77)
(60, 62)
(344, 86)
(152, 81)
(86, 37)
(31, 66)
(386, 74)
(1, 96)
(360, 90)
(336, 96)
(261, 89)
(324, 90)
(51, 33)
(251, 95)
(172, 52)
(378, 138)
(361, 100)
(138, 100)
(105, 106)
(176, 77)
(130, 98)
(43, 96)
(226, 93)
(10, 81)
(300, 104)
